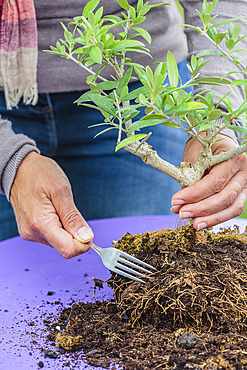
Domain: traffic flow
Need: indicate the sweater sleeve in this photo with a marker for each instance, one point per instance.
(13, 149)
(219, 66)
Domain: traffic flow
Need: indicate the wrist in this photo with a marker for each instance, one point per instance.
(14, 166)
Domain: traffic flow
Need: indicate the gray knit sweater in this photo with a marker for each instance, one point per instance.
(58, 75)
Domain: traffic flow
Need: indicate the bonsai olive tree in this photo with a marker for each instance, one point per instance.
(90, 42)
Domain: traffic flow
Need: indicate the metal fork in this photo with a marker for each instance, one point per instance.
(120, 262)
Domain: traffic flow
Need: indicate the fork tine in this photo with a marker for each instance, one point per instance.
(134, 272)
(126, 262)
(134, 259)
(120, 272)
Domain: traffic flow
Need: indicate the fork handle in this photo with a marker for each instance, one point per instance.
(96, 248)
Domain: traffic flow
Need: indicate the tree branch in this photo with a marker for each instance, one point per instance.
(218, 158)
(84, 67)
(150, 157)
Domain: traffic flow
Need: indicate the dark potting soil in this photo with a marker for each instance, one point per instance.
(191, 313)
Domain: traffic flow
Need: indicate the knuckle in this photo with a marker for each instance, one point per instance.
(239, 208)
(217, 220)
(71, 218)
(34, 224)
(219, 183)
(61, 189)
(203, 212)
(231, 197)
(242, 158)
(26, 234)
(67, 254)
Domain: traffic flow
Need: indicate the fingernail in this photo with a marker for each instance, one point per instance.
(85, 234)
(177, 202)
(174, 209)
(183, 215)
(201, 226)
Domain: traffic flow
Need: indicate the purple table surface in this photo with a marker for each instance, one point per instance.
(28, 271)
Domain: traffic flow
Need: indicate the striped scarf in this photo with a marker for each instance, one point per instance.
(18, 51)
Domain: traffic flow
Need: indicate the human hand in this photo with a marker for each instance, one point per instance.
(45, 212)
(220, 195)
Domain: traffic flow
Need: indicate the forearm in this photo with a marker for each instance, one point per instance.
(13, 149)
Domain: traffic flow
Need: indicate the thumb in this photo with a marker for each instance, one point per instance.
(75, 224)
(71, 218)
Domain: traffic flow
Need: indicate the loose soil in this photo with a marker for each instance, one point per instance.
(191, 313)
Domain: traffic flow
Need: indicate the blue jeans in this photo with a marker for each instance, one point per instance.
(104, 183)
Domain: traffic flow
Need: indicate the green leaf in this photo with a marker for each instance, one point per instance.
(145, 9)
(91, 19)
(99, 13)
(227, 117)
(230, 43)
(160, 4)
(150, 120)
(124, 80)
(239, 82)
(212, 81)
(149, 74)
(197, 29)
(127, 118)
(132, 13)
(124, 92)
(236, 31)
(182, 96)
(122, 35)
(215, 114)
(80, 50)
(206, 19)
(139, 70)
(139, 20)
(84, 97)
(127, 111)
(89, 7)
(186, 107)
(123, 3)
(215, 2)
(158, 90)
(191, 119)
(102, 132)
(58, 46)
(129, 140)
(242, 108)
(238, 129)
(219, 37)
(145, 34)
(139, 6)
(104, 103)
(99, 124)
(205, 127)
(142, 98)
(200, 15)
(209, 52)
(113, 18)
(227, 21)
(125, 44)
(134, 94)
(95, 54)
(172, 69)
(205, 101)
(107, 85)
(228, 103)
(161, 69)
(193, 62)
